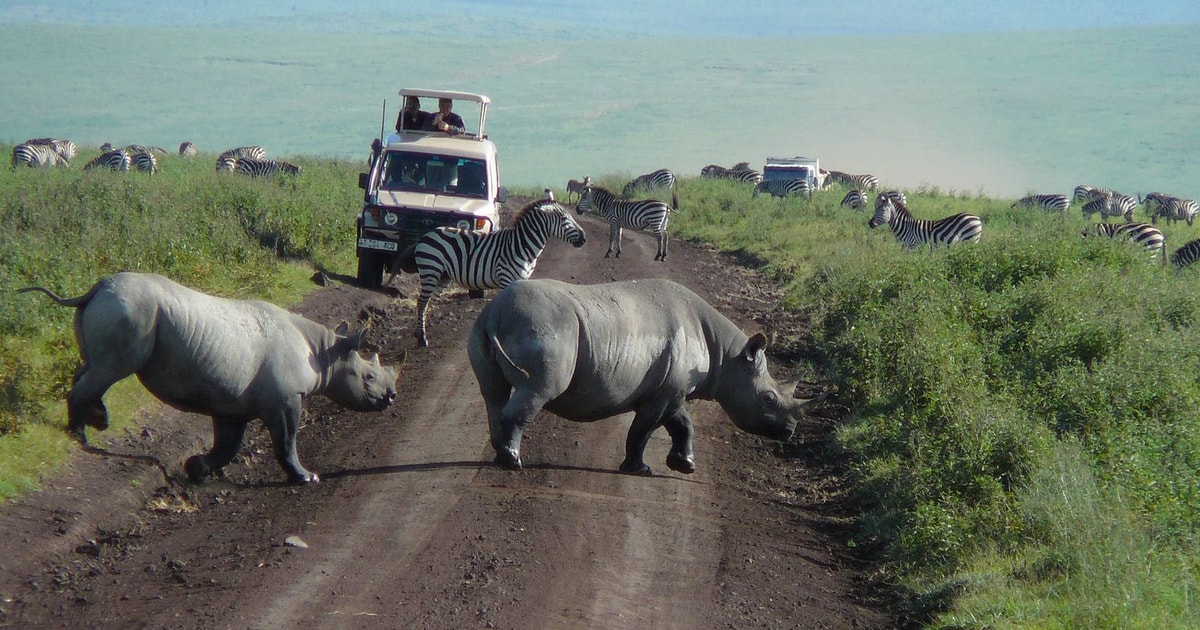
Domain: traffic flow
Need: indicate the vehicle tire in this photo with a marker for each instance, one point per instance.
(477, 294)
(370, 271)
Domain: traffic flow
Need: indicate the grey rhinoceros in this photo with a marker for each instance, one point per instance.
(235, 360)
(591, 352)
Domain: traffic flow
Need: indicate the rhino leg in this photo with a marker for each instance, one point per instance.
(227, 441)
(679, 426)
(645, 421)
(516, 415)
(85, 401)
(284, 425)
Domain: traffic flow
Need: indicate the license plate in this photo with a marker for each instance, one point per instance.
(370, 243)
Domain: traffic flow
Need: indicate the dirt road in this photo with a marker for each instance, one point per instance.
(412, 527)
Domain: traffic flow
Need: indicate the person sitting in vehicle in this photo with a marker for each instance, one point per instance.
(410, 118)
(445, 119)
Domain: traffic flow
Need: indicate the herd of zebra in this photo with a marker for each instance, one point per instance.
(52, 152)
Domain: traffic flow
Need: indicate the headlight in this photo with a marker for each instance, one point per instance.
(464, 224)
(391, 219)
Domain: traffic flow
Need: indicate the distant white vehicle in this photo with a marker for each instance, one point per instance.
(420, 180)
(799, 167)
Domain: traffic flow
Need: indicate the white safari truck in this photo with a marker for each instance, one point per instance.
(420, 180)
(799, 167)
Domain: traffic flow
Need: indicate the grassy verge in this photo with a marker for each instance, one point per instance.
(1026, 434)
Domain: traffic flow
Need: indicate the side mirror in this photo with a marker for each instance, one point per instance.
(501, 194)
(362, 180)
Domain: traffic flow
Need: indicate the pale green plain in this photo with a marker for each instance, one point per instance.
(996, 113)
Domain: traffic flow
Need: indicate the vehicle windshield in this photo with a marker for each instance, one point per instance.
(424, 172)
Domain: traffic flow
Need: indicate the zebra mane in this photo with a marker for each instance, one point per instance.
(540, 204)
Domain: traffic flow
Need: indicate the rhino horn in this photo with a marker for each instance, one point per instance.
(805, 403)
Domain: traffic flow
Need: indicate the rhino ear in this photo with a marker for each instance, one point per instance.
(756, 344)
(342, 329)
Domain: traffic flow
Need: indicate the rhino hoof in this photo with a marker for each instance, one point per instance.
(639, 468)
(197, 471)
(305, 478)
(681, 463)
(506, 458)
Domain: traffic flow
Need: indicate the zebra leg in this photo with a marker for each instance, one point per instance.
(422, 312)
(662, 246)
(614, 240)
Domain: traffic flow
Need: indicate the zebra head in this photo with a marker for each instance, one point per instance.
(885, 210)
(554, 220)
(586, 202)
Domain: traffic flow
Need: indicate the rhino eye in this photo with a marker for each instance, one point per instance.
(770, 399)
(369, 377)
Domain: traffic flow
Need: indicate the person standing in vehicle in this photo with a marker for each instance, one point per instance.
(411, 117)
(445, 119)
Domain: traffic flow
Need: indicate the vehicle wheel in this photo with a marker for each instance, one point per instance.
(370, 271)
(477, 294)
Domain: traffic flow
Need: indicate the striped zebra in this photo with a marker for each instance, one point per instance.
(486, 260)
(1170, 208)
(650, 215)
(662, 178)
(913, 232)
(862, 182)
(133, 149)
(188, 150)
(897, 196)
(64, 148)
(744, 175)
(783, 187)
(226, 163)
(1186, 255)
(254, 152)
(1110, 204)
(264, 168)
(116, 160)
(1142, 234)
(144, 162)
(36, 156)
(855, 200)
(1084, 194)
(1049, 203)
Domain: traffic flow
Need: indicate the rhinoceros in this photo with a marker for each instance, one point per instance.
(235, 360)
(590, 352)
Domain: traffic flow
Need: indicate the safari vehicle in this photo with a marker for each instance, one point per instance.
(798, 167)
(422, 180)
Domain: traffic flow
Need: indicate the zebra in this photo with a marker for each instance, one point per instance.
(188, 150)
(895, 195)
(264, 168)
(1170, 208)
(744, 175)
(1110, 204)
(226, 163)
(855, 200)
(783, 187)
(1142, 234)
(575, 187)
(662, 178)
(485, 260)
(36, 156)
(1085, 194)
(144, 162)
(1186, 255)
(913, 232)
(64, 148)
(649, 215)
(133, 149)
(116, 160)
(862, 182)
(254, 152)
(1049, 203)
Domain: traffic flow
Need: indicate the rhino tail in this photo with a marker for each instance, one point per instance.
(75, 302)
(500, 349)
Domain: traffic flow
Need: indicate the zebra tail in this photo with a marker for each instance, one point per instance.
(674, 198)
(407, 260)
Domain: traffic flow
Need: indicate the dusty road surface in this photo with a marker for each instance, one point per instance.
(413, 527)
